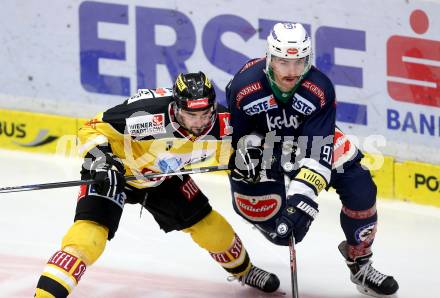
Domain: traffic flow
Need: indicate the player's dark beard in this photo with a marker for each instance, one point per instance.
(194, 133)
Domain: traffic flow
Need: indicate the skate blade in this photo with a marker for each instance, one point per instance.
(372, 293)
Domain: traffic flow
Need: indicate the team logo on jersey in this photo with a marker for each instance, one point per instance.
(262, 105)
(258, 208)
(302, 105)
(146, 125)
(280, 122)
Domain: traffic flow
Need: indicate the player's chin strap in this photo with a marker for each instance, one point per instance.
(147, 176)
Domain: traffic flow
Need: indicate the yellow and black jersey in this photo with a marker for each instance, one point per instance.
(143, 132)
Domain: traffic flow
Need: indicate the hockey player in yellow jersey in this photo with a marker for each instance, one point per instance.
(157, 130)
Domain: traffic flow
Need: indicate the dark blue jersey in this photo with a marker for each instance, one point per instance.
(307, 120)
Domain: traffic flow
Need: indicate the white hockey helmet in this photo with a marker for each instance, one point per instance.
(291, 41)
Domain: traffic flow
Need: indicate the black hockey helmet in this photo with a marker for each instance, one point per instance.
(194, 92)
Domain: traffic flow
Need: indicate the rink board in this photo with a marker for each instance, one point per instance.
(34, 132)
(418, 182)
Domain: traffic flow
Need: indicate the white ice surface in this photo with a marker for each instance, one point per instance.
(142, 261)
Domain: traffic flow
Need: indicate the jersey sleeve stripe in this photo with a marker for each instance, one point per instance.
(296, 187)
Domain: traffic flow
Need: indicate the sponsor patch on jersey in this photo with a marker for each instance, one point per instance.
(315, 90)
(312, 178)
(302, 105)
(189, 189)
(280, 122)
(225, 126)
(82, 191)
(146, 125)
(366, 233)
(247, 90)
(343, 149)
(261, 105)
(162, 92)
(341, 144)
(141, 94)
(173, 160)
(170, 164)
(258, 208)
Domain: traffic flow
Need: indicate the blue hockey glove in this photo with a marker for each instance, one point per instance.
(298, 215)
(108, 172)
(245, 164)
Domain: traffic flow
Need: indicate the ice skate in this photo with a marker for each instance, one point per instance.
(259, 279)
(368, 280)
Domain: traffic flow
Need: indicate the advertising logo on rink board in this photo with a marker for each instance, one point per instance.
(24, 130)
(14, 130)
(413, 70)
(176, 54)
(431, 183)
(413, 65)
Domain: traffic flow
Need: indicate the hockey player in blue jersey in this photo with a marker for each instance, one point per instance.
(288, 149)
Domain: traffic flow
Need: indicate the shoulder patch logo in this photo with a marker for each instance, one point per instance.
(141, 94)
(315, 90)
(246, 91)
(250, 64)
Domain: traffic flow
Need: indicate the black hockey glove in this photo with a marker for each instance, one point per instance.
(108, 172)
(297, 217)
(245, 164)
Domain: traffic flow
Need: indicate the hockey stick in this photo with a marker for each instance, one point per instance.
(293, 268)
(127, 178)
